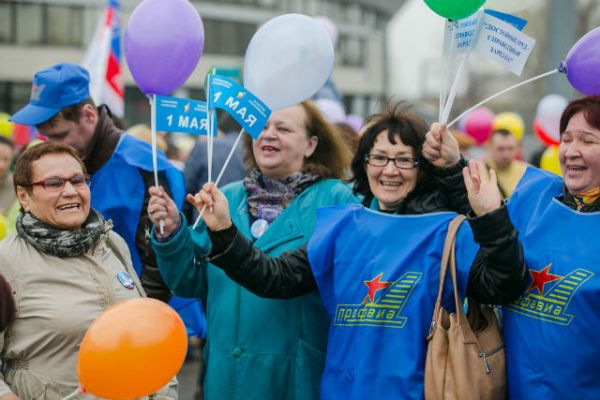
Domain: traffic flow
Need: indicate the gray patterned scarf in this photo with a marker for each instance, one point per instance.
(62, 242)
(267, 198)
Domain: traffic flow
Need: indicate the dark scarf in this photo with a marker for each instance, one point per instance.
(103, 143)
(62, 242)
(267, 198)
(570, 200)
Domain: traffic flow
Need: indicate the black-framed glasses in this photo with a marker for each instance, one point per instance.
(379, 160)
(56, 183)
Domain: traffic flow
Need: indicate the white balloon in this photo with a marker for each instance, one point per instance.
(288, 60)
(549, 111)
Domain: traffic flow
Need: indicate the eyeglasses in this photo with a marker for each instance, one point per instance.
(378, 160)
(55, 184)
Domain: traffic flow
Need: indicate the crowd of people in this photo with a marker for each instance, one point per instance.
(317, 264)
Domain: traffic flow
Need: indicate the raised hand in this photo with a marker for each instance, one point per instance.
(216, 214)
(483, 192)
(162, 207)
(440, 147)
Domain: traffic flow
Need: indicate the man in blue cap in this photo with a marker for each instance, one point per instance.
(120, 165)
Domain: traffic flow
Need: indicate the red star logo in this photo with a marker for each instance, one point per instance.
(374, 285)
(540, 278)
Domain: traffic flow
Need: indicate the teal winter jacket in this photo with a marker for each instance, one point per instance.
(257, 349)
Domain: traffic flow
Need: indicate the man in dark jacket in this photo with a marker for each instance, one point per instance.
(196, 165)
(120, 165)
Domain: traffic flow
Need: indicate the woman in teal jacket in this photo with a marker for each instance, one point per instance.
(259, 348)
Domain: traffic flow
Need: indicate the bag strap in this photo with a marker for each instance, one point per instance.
(447, 258)
(465, 327)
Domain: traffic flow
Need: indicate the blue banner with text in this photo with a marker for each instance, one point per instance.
(247, 109)
(174, 114)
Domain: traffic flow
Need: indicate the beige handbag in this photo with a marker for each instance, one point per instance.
(465, 356)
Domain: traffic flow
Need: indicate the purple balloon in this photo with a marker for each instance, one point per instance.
(583, 64)
(355, 121)
(163, 43)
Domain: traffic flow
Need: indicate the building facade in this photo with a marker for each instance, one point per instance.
(38, 33)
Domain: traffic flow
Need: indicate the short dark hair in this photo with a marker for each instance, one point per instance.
(70, 113)
(22, 175)
(501, 132)
(589, 105)
(400, 123)
(7, 142)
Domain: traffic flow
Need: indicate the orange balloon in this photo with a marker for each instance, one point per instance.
(132, 350)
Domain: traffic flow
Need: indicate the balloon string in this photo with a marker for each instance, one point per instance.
(72, 395)
(445, 72)
(459, 73)
(554, 71)
(209, 127)
(152, 99)
(237, 140)
(453, 89)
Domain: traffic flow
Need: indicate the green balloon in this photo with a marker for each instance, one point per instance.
(454, 9)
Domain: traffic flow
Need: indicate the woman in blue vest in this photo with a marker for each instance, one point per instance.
(377, 272)
(258, 348)
(550, 332)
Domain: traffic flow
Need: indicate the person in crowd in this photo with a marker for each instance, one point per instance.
(378, 274)
(259, 348)
(196, 165)
(7, 304)
(503, 149)
(465, 142)
(7, 193)
(554, 322)
(120, 165)
(144, 133)
(65, 266)
(349, 135)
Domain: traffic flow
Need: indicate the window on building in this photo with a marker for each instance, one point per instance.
(14, 95)
(352, 51)
(227, 38)
(35, 24)
(29, 27)
(64, 25)
(6, 25)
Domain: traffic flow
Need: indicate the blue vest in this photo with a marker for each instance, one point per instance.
(118, 188)
(551, 332)
(378, 276)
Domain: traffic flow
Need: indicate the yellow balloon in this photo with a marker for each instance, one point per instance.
(6, 127)
(549, 160)
(511, 122)
(3, 227)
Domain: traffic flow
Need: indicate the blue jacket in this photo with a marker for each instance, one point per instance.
(257, 349)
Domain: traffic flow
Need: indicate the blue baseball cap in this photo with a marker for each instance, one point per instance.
(53, 89)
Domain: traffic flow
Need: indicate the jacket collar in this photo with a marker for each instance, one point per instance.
(103, 142)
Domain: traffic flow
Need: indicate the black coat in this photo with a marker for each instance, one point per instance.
(498, 274)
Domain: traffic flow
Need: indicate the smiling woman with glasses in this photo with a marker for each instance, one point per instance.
(378, 160)
(55, 183)
(64, 267)
(377, 272)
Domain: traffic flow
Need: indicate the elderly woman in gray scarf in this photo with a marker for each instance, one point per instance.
(65, 266)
